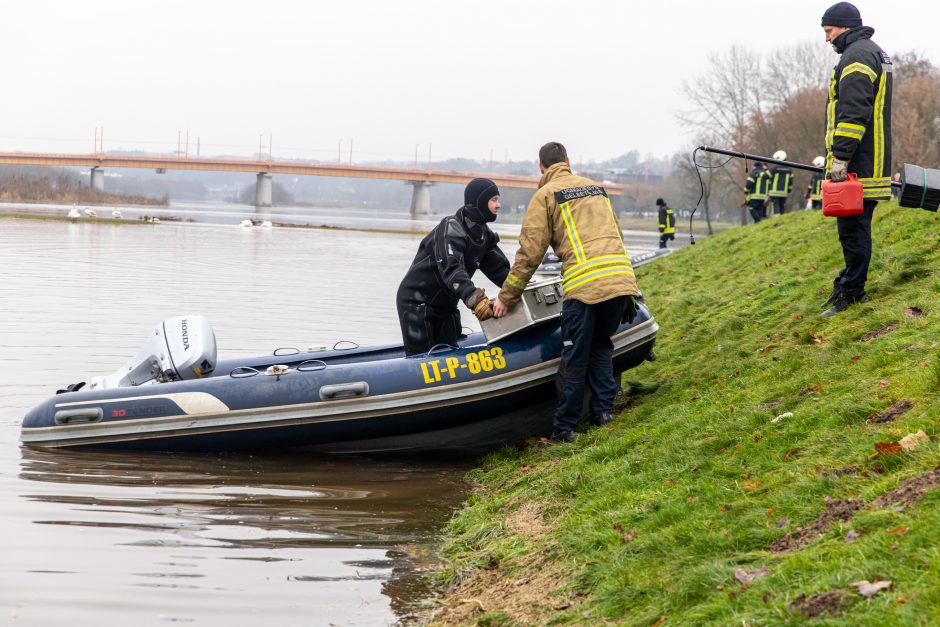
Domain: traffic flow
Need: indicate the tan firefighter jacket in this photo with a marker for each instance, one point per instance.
(573, 215)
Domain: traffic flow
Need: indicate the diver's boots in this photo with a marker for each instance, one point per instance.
(561, 436)
(843, 300)
(599, 420)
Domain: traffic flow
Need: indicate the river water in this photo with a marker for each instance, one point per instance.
(148, 539)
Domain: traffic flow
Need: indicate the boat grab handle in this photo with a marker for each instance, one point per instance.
(443, 347)
(311, 365)
(78, 416)
(243, 372)
(354, 389)
(337, 347)
(281, 351)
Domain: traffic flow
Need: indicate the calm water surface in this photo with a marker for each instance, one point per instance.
(130, 539)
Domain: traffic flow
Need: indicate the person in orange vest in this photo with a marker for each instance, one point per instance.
(667, 223)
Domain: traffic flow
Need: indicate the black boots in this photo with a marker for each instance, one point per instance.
(842, 301)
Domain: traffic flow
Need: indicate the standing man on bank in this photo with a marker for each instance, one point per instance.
(755, 190)
(667, 223)
(814, 191)
(781, 184)
(858, 140)
(574, 215)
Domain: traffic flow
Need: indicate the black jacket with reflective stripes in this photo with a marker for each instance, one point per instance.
(758, 182)
(858, 112)
(667, 220)
(447, 257)
(781, 181)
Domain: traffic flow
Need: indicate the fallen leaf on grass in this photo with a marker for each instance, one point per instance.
(906, 599)
(629, 537)
(788, 414)
(662, 619)
(742, 576)
(790, 454)
(856, 357)
(751, 485)
(797, 316)
(913, 440)
(897, 531)
(851, 536)
(867, 589)
(692, 499)
(888, 448)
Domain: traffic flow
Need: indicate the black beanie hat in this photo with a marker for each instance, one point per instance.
(842, 14)
(476, 196)
(660, 202)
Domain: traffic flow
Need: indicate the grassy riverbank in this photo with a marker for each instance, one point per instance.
(753, 472)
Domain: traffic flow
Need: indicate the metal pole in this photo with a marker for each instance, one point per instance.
(270, 146)
(350, 150)
(791, 164)
(746, 155)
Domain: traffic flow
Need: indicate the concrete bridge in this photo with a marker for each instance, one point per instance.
(421, 179)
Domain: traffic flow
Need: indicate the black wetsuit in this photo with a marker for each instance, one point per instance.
(440, 276)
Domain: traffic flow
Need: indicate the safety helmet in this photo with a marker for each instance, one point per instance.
(780, 155)
(819, 162)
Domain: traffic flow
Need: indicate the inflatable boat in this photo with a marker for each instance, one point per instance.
(174, 395)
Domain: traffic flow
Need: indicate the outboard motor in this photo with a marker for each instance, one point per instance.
(179, 348)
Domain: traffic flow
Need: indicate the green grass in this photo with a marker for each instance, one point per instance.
(651, 516)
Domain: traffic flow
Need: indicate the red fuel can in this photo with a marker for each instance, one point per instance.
(844, 198)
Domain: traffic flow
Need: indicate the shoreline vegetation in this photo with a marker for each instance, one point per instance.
(60, 189)
(771, 467)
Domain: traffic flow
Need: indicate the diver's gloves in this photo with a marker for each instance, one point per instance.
(480, 304)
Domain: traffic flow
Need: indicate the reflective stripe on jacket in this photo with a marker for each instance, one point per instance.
(667, 221)
(757, 185)
(815, 186)
(573, 215)
(781, 182)
(858, 112)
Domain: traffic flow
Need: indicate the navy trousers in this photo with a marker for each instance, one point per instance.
(758, 210)
(855, 237)
(586, 359)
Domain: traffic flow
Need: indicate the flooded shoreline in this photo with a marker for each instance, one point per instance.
(112, 538)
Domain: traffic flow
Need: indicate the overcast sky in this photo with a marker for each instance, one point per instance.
(463, 77)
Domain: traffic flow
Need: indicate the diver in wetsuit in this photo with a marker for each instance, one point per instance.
(440, 274)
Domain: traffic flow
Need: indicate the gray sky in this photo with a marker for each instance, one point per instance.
(464, 77)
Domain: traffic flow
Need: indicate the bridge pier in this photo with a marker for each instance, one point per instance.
(97, 179)
(420, 198)
(263, 190)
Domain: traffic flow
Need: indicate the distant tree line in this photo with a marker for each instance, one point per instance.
(25, 184)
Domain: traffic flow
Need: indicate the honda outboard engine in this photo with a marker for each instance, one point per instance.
(179, 348)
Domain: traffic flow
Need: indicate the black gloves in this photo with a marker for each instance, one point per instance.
(629, 311)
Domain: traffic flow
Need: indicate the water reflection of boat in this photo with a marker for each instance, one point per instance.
(347, 399)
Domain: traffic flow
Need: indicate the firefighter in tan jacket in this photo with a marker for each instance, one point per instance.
(573, 215)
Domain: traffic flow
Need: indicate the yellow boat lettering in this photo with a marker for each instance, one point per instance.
(485, 360)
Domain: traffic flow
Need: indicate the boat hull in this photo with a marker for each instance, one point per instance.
(361, 400)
